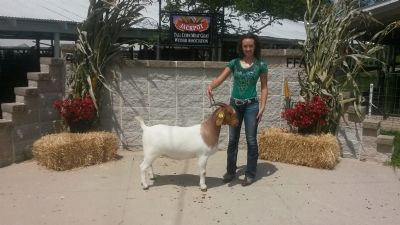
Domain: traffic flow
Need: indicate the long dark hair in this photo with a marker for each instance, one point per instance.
(257, 47)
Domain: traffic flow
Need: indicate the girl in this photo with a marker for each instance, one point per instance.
(246, 71)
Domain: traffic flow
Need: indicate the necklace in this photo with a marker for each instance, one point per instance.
(245, 64)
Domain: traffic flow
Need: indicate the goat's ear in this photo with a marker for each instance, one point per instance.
(220, 118)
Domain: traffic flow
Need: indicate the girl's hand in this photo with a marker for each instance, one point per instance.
(260, 114)
(209, 91)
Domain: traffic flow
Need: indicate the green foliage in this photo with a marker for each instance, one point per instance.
(289, 9)
(334, 48)
(265, 12)
(197, 6)
(395, 160)
(262, 13)
(97, 43)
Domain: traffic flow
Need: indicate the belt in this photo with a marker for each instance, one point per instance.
(239, 102)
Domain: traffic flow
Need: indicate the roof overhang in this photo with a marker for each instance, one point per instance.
(264, 39)
(386, 12)
(23, 28)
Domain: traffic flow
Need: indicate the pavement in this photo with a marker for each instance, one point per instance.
(355, 192)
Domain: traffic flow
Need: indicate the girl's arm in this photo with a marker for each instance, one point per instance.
(217, 81)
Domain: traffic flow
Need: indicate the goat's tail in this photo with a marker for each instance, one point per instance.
(141, 121)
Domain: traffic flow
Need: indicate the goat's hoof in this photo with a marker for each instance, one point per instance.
(145, 186)
(203, 189)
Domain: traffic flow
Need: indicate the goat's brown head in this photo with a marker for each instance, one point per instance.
(225, 115)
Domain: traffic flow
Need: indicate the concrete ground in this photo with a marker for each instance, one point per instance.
(353, 193)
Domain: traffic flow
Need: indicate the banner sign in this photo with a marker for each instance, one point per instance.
(191, 30)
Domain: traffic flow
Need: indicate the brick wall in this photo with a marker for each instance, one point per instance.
(172, 92)
(167, 92)
(32, 115)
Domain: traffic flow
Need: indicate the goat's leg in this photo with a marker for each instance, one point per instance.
(144, 166)
(202, 166)
(151, 173)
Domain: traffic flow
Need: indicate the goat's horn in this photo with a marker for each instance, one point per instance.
(218, 104)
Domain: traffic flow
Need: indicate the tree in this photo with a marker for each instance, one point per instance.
(204, 6)
(259, 13)
(265, 12)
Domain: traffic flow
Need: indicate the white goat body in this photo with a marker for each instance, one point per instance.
(198, 141)
(174, 142)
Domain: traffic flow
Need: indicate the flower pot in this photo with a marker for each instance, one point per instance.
(352, 115)
(306, 130)
(346, 95)
(80, 126)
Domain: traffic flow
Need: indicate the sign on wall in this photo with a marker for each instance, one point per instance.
(191, 30)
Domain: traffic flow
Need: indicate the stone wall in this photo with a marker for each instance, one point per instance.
(6, 147)
(350, 135)
(33, 114)
(167, 92)
(173, 93)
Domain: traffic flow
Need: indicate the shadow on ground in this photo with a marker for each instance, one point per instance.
(118, 157)
(186, 180)
(264, 169)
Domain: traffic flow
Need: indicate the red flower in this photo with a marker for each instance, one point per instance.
(76, 109)
(306, 114)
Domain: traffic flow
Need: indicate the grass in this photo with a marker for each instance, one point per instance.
(395, 160)
(363, 80)
(391, 89)
(366, 78)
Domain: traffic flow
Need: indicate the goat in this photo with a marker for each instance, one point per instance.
(176, 142)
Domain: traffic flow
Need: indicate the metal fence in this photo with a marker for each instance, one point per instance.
(382, 94)
(392, 94)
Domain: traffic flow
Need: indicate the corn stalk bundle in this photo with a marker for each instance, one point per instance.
(99, 42)
(336, 46)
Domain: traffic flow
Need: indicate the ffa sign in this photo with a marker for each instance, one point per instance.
(190, 30)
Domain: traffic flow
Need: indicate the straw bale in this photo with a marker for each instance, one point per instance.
(65, 151)
(318, 151)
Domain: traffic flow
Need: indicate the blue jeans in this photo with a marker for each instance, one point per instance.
(248, 113)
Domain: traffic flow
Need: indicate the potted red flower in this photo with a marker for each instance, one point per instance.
(309, 116)
(78, 112)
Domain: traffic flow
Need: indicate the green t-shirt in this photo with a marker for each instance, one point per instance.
(245, 79)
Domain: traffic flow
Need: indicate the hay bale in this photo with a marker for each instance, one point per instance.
(318, 151)
(65, 151)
